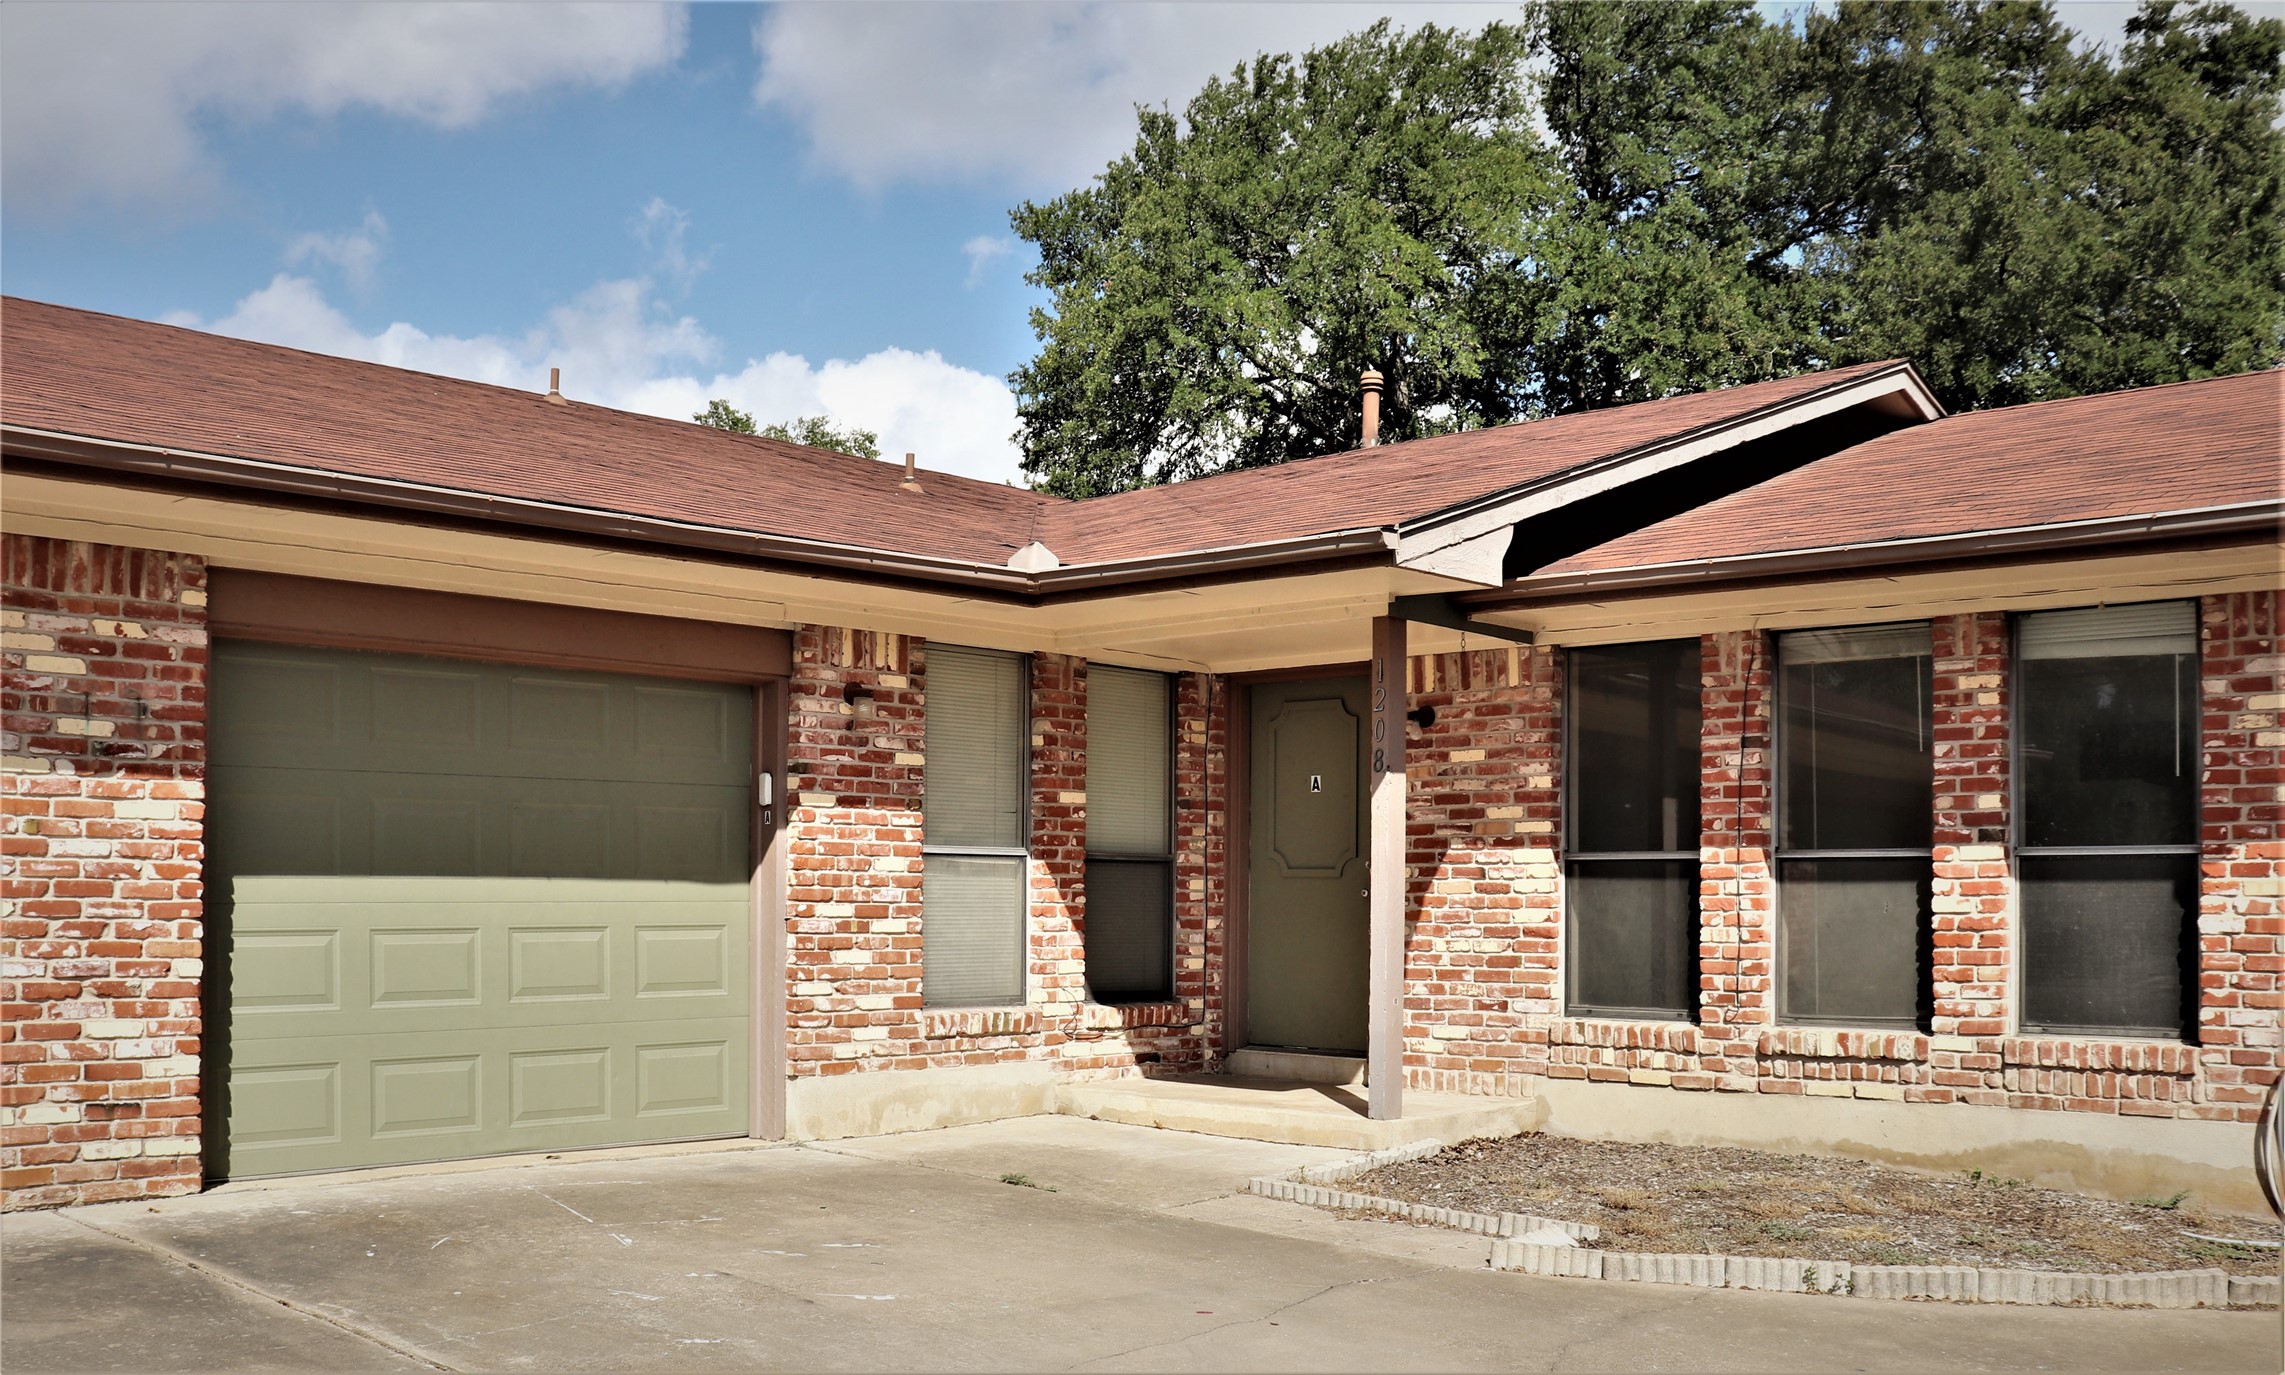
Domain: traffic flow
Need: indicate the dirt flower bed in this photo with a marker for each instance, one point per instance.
(1721, 1201)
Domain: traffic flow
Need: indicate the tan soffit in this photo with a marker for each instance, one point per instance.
(2085, 581)
(1232, 627)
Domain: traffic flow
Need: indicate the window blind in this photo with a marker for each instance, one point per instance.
(2106, 632)
(1128, 752)
(973, 784)
(1130, 836)
(972, 930)
(1902, 641)
(973, 781)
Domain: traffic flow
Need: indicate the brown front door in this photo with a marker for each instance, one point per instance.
(1307, 925)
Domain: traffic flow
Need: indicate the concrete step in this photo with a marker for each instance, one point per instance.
(1304, 1066)
(1299, 1114)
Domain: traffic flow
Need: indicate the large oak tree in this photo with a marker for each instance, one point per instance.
(1610, 202)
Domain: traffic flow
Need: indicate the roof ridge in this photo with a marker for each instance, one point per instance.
(1833, 375)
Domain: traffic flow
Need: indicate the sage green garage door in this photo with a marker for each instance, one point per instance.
(470, 909)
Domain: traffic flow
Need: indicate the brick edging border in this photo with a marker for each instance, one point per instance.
(2209, 1288)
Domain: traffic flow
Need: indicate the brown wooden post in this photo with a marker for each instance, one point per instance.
(1384, 1027)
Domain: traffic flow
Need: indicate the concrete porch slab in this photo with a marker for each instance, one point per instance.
(1299, 1114)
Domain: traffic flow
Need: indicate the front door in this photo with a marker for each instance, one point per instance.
(1306, 944)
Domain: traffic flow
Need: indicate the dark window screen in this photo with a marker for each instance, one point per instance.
(1634, 767)
(2107, 943)
(1859, 772)
(1853, 943)
(1130, 952)
(1634, 937)
(1856, 786)
(2107, 760)
(1637, 749)
(2110, 748)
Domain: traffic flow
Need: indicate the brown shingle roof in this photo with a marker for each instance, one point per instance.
(106, 377)
(2179, 447)
(102, 376)
(1367, 488)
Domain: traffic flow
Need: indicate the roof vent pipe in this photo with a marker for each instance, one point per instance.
(1372, 381)
(555, 386)
(911, 481)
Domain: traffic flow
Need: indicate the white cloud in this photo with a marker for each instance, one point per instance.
(102, 102)
(661, 229)
(1043, 93)
(981, 250)
(355, 253)
(619, 346)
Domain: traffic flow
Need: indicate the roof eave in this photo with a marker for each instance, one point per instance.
(1422, 538)
(2094, 535)
(314, 484)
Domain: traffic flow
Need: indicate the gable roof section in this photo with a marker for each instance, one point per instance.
(107, 393)
(1393, 486)
(2187, 456)
(78, 373)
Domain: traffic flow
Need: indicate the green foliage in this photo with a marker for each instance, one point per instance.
(816, 431)
(2169, 1202)
(721, 415)
(1219, 290)
(1706, 197)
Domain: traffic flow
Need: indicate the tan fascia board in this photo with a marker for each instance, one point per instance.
(2093, 578)
(1311, 612)
(310, 484)
(2023, 541)
(1463, 541)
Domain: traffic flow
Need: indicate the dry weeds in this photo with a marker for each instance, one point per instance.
(1739, 1202)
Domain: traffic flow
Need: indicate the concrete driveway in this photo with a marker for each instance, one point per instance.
(910, 1253)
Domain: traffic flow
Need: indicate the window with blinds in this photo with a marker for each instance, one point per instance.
(1130, 835)
(974, 829)
(1631, 873)
(1855, 825)
(2107, 818)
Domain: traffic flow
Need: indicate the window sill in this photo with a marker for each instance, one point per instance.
(1118, 1016)
(949, 1023)
(1626, 1033)
(1836, 1043)
(2116, 1053)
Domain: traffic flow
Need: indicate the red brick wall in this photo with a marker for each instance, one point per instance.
(1202, 877)
(1973, 883)
(103, 710)
(1737, 883)
(2241, 920)
(853, 853)
(854, 917)
(1483, 870)
(1484, 997)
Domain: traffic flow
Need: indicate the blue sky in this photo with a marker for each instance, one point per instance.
(800, 207)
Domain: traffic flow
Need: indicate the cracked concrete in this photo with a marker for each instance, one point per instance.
(906, 1252)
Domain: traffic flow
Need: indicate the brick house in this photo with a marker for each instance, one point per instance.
(405, 769)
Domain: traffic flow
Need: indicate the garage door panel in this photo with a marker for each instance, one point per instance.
(429, 1096)
(320, 962)
(281, 706)
(474, 909)
(306, 821)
